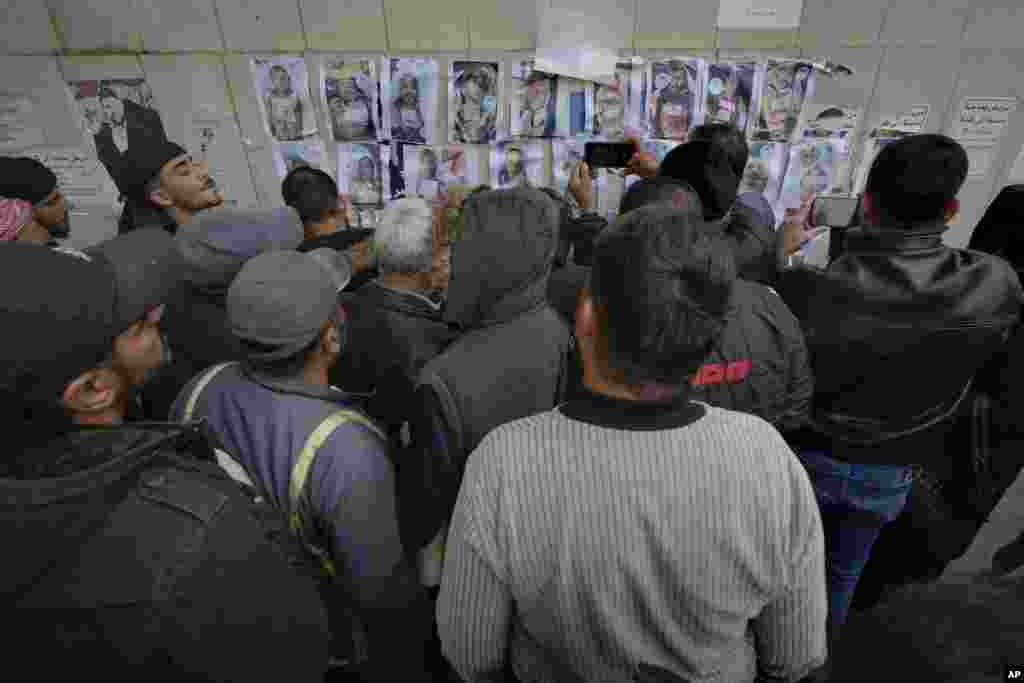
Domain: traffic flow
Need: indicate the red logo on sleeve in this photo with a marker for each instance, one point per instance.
(718, 373)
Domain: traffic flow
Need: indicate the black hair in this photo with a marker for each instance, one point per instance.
(913, 180)
(661, 190)
(998, 232)
(312, 192)
(730, 139)
(706, 167)
(662, 287)
(107, 93)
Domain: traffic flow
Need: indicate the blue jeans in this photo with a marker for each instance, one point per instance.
(856, 501)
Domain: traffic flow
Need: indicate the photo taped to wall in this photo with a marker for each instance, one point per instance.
(282, 84)
(349, 90)
(473, 89)
(411, 98)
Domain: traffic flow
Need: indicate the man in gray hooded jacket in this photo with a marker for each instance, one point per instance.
(510, 361)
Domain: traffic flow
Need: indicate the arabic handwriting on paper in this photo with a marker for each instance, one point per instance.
(79, 173)
(16, 128)
(984, 118)
(912, 122)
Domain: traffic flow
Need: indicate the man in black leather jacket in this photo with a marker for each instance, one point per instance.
(129, 550)
(896, 328)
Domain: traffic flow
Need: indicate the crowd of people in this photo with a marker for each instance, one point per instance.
(497, 438)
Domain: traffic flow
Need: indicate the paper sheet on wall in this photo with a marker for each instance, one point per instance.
(911, 122)
(576, 44)
(760, 14)
(18, 129)
(80, 175)
(983, 118)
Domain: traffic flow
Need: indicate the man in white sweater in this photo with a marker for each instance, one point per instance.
(634, 527)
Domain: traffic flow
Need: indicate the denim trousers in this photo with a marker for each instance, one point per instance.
(856, 502)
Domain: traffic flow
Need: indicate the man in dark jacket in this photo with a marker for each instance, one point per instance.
(130, 539)
(163, 187)
(759, 365)
(28, 179)
(308, 448)
(897, 327)
(510, 361)
(314, 195)
(395, 329)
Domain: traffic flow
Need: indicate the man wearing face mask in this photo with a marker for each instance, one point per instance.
(131, 539)
(29, 180)
(164, 187)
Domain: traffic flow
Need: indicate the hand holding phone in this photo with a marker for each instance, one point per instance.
(608, 154)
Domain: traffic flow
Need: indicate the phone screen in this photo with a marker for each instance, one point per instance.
(608, 154)
(836, 211)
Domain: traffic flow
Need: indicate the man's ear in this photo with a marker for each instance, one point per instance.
(952, 211)
(867, 206)
(587, 324)
(330, 342)
(91, 392)
(161, 199)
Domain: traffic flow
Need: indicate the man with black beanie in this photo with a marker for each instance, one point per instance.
(28, 179)
(708, 168)
(163, 186)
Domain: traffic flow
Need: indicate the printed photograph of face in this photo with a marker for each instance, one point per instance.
(412, 98)
(115, 114)
(809, 174)
(829, 121)
(359, 173)
(350, 91)
(610, 107)
(535, 103)
(567, 153)
(423, 172)
(765, 169)
(473, 102)
(291, 155)
(283, 87)
(730, 92)
(518, 164)
(786, 88)
(675, 100)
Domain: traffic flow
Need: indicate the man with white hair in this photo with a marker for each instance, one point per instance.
(394, 327)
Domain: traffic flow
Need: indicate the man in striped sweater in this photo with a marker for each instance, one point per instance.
(633, 527)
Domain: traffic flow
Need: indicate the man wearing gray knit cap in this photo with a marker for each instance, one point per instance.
(308, 448)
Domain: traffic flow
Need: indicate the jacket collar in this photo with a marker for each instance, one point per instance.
(297, 387)
(895, 238)
(644, 416)
(400, 300)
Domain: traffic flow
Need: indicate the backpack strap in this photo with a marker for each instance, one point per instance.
(197, 390)
(304, 465)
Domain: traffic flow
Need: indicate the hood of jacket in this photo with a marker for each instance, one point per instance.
(55, 496)
(501, 264)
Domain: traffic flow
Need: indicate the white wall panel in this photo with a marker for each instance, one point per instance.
(831, 23)
(25, 27)
(179, 25)
(687, 24)
(932, 22)
(344, 24)
(262, 25)
(92, 25)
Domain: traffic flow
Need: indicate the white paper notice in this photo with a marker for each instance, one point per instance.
(912, 122)
(980, 156)
(760, 14)
(984, 118)
(18, 129)
(80, 175)
(576, 45)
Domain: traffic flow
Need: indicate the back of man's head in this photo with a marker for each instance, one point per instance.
(729, 138)
(916, 180)
(661, 190)
(404, 240)
(661, 286)
(314, 194)
(705, 166)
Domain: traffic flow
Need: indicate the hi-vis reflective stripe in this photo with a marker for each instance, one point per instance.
(204, 381)
(304, 464)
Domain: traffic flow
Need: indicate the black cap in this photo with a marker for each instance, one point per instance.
(143, 163)
(61, 309)
(705, 166)
(25, 178)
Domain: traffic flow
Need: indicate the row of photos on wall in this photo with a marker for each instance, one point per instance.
(383, 115)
